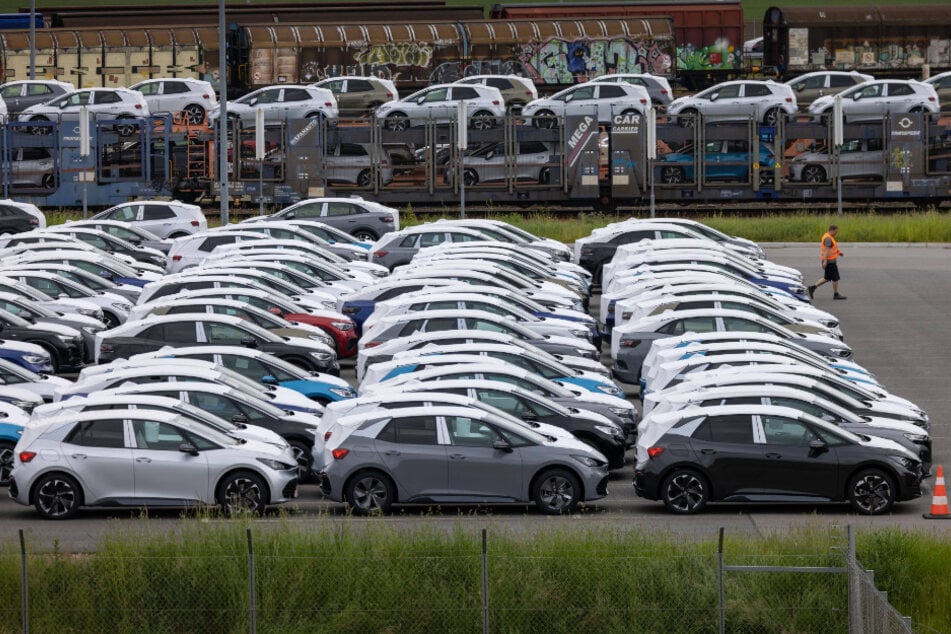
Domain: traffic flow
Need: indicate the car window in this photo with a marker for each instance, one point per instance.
(811, 83)
(215, 332)
(463, 237)
(469, 432)
(431, 239)
(125, 213)
(99, 433)
(843, 81)
(630, 237)
(154, 435)
(739, 324)
(871, 90)
(38, 89)
(296, 94)
(105, 96)
(611, 92)
(343, 209)
(582, 93)
(690, 324)
(727, 92)
(474, 323)
(175, 87)
(157, 212)
(498, 82)
(438, 94)
(148, 89)
(460, 93)
(413, 430)
(11, 91)
(897, 90)
(784, 431)
(734, 429)
(809, 408)
(756, 90)
(179, 332)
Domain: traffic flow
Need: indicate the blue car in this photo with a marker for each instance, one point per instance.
(9, 436)
(724, 160)
(26, 355)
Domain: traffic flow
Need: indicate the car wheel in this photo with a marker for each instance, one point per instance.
(397, 122)
(872, 492)
(482, 120)
(194, 114)
(363, 178)
(6, 461)
(685, 492)
(110, 319)
(470, 177)
(54, 358)
(315, 115)
(47, 181)
(177, 234)
(672, 175)
(556, 492)
(365, 235)
(813, 174)
(370, 492)
(40, 129)
(545, 119)
(544, 176)
(916, 109)
(373, 106)
(242, 493)
(766, 178)
(125, 129)
(772, 117)
(688, 118)
(305, 459)
(57, 496)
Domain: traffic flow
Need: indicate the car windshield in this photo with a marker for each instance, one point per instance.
(207, 432)
(201, 415)
(262, 407)
(85, 278)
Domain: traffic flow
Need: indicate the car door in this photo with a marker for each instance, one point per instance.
(106, 103)
(609, 99)
(795, 467)
(12, 96)
(477, 469)
(297, 103)
(100, 455)
(725, 447)
(157, 218)
(270, 101)
(410, 449)
(725, 103)
(163, 472)
(901, 97)
(434, 104)
(868, 102)
(755, 100)
(581, 101)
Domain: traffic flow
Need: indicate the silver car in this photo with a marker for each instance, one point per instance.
(873, 100)
(657, 87)
(363, 219)
(764, 101)
(456, 455)
(164, 218)
(192, 98)
(19, 95)
(605, 99)
(141, 457)
(858, 159)
(107, 103)
(438, 104)
(533, 161)
(811, 86)
(352, 164)
(280, 103)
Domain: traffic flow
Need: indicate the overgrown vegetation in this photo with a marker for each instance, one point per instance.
(377, 577)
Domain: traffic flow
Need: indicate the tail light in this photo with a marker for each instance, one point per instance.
(653, 452)
(495, 102)
(327, 435)
(373, 344)
(195, 223)
(206, 97)
(611, 309)
(176, 258)
(380, 254)
(26, 456)
(34, 221)
(137, 106)
(930, 98)
(328, 104)
(387, 219)
(339, 454)
(390, 95)
(626, 315)
(630, 343)
(788, 99)
(106, 347)
(644, 101)
(663, 91)
(528, 93)
(586, 250)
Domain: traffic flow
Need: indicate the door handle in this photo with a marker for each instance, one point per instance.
(774, 456)
(143, 459)
(708, 451)
(391, 452)
(457, 456)
(79, 456)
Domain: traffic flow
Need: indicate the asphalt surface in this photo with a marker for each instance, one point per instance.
(896, 318)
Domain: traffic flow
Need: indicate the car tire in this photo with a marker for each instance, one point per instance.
(47, 182)
(545, 120)
(482, 120)
(688, 118)
(40, 130)
(110, 319)
(57, 496)
(470, 177)
(6, 461)
(397, 121)
(544, 176)
(242, 492)
(304, 456)
(814, 174)
(54, 358)
(365, 235)
(672, 175)
(364, 179)
(193, 114)
(685, 492)
(125, 129)
(178, 234)
(766, 178)
(556, 492)
(370, 492)
(872, 492)
(772, 117)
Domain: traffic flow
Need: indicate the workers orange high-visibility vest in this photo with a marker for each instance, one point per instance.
(829, 254)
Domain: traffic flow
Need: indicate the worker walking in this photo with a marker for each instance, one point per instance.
(830, 255)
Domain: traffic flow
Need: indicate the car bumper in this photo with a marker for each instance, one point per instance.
(646, 484)
(595, 483)
(284, 485)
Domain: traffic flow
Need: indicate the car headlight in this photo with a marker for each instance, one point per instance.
(842, 353)
(623, 412)
(908, 463)
(91, 330)
(584, 334)
(88, 312)
(343, 392)
(36, 359)
(65, 338)
(322, 356)
(587, 461)
(329, 304)
(321, 338)
(122, 306)
(277, 465)
(609, 389)
(829, 323)
(342, 325)
(25, 405)
(919, 438)
(610, 431)
(923, 415)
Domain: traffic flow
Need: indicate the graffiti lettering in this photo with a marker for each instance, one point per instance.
(559, 61)
(409, 54)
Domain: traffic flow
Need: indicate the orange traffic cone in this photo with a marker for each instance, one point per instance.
(939, 503)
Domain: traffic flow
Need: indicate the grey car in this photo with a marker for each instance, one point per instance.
(457, 455)
(19, 95)
(363, 219)
(164, 218)
(399, 248)
(657, 87)
(858, 159)
(811, 86)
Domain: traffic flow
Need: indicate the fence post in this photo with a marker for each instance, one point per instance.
(251, 597)
(721, 604)
(854, 581)
(485, 583)
(24, 588)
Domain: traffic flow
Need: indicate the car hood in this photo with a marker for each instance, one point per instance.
(887, 445)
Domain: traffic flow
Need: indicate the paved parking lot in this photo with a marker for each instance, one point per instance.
(897, 319)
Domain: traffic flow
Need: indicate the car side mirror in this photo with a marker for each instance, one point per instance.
(274, 310)
(239, 418)
(502, 445)
(249, 342)
(569, 98)
(714, 96)
(291, 216)
(856, 96)
(489, 156)
(800, 87)
(187, 447)
(528, 416)
(268, 379)
(817, 446)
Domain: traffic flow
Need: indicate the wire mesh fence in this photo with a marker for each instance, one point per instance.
(467, 588)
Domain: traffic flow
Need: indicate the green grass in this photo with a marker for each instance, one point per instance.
(367, 577)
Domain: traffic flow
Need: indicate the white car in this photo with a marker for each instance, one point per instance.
(657, 87)
(600, 99)
(58, 293)
(191, 250)
(102, 103)
(193, 98)
(764, 102)
(874, 100)
(165, 218)
(27, 208)
(438, 104)
(282, 102)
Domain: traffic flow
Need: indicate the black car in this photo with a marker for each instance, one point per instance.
(764, 453)
(16, 220)
(64, 344)
(594, 254)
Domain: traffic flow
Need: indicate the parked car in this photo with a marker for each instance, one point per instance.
(774, 454)
(437, 104)
(60, 293)
(32, 167)
(516, 91)
(35, 313)
(533, 161)
(858, 159)
(358, 95)
(165, 218)
(398, 457)
(765, 102)
(64, 344)
(942, 85)
(129, 232)
(876, 99)
(657, 87)
(103, 103)
(193, 98)
(603, 100)
(280, 103)
(18, 217)
(728, 160)
(145, 457)
(26, 355)
(20, 95)
(811, 86)
(363, 219)
(111, 244)
(351, 164)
